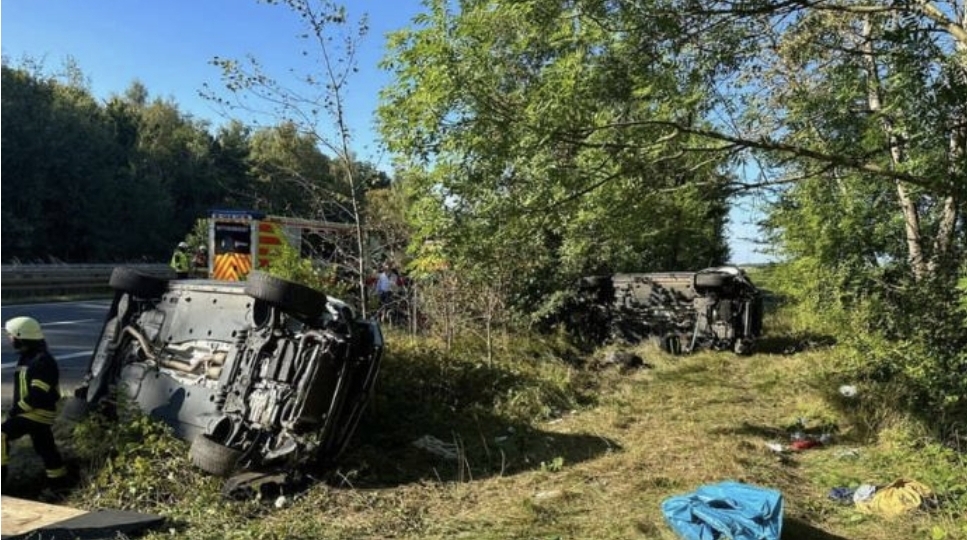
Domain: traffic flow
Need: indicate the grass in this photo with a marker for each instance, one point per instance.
(550, 446)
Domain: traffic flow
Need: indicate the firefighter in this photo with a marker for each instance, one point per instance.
(199, 262)
(35, 396)
(179, 260)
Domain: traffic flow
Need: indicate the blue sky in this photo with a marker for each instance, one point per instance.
(168, 44)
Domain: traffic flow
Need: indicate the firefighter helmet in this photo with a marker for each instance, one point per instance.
(24, 328)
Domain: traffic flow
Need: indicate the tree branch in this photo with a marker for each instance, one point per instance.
(770, 145)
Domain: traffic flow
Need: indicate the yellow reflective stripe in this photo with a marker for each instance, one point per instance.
(40, 384)
(57, 473)
(22, 379)
(41, 416)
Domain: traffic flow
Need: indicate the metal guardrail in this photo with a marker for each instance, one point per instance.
(30, 281)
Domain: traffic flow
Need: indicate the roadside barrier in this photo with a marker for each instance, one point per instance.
(34, 281)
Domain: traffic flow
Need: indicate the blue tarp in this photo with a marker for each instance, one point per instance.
(726, 510)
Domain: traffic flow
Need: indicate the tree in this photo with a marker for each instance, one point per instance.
(288, 166)
(313, 103)
(527, 137)
(59, 161)
(857, 112)
(832, 90)
(77, 169)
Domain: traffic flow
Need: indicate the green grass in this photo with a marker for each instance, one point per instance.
(549, 446)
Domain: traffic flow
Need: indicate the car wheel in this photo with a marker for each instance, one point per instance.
(711, 280)
(212, 457)
(285, 295)
(133, 282)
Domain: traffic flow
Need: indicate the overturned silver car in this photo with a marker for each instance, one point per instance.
(716, 308)
(260, 375)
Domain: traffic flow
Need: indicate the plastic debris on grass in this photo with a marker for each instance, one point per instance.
(726, 510)
(437, 447)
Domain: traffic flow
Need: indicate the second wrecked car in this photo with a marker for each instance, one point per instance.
(717, 308)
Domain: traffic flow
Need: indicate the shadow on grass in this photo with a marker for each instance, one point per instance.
(796, 529)
(753, 430)
(792, 343)
(400, 458)
(434, 420)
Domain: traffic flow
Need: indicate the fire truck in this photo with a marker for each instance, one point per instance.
(240, 241)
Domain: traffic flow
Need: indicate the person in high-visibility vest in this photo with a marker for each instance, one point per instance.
(35, 395)
(179, 260)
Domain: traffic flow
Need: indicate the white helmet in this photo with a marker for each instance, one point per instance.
(183, 245)
(24, 328)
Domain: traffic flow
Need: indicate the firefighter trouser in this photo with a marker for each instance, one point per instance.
(43, 439)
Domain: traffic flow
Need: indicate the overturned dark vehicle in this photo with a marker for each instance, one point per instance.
(716, 308)
(261, 375)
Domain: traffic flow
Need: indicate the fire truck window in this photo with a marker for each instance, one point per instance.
(232, 238)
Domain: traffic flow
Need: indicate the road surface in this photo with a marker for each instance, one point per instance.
(71, 330)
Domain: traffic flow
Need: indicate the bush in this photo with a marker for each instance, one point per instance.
(905, 340)
(132, 461)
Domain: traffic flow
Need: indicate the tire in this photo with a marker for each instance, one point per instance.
(288, 296)
(212, 457)
(711, 280)
(133, 282)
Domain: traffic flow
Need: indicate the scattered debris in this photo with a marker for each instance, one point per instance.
(801, 439)
(842, 495)
(898, 498)
(437, 447)
(776, 447)
(848, 391)
(864, 493)
(804, 444)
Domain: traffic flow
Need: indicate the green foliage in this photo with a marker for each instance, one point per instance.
(293, 177)
(532, 148)
(134, 462)
(526, 380)
(288, 264)
(904, 341)
(198, 236)
(554, 465)
(915, 350)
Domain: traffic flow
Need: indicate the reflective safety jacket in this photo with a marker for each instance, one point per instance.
(36, 389)
(179, 261)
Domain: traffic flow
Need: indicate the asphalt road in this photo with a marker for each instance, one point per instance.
(71, 330)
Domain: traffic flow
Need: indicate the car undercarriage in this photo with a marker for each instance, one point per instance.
(264, 375)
